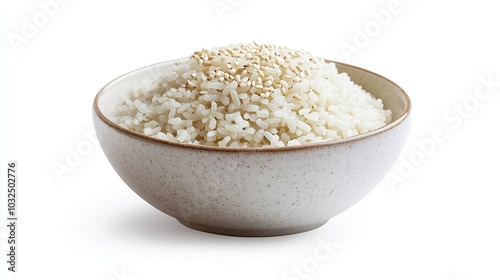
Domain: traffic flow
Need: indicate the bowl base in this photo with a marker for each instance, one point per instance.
(251, 232)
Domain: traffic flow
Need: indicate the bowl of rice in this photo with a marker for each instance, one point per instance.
(252, 140)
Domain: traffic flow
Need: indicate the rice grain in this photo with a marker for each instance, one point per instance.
(250, 95)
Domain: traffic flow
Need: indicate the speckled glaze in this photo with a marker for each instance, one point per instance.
(254, 191)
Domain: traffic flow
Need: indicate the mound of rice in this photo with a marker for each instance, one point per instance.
(251, 95)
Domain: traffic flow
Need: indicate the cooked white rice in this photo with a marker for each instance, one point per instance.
(251, 95)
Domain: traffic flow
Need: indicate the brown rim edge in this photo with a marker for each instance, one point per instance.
(132, 133)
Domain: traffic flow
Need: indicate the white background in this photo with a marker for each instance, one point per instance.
(438, 218)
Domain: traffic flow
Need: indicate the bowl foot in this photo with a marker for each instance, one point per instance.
(251, 232)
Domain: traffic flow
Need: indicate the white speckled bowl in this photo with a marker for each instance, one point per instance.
(253, 191)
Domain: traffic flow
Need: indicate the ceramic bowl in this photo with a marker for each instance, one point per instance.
(253, 191)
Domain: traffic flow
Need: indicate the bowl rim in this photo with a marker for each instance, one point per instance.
(131, 133)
